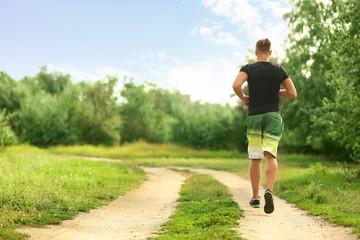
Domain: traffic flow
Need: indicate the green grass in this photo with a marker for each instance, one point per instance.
(38, 188)
(329, 191)
(323, 187)
(143, 150)
(206, 211)
(224, 164)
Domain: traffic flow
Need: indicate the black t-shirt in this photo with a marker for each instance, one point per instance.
(264, 79)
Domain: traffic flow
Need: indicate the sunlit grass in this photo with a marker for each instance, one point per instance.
(143, 150)
(38, 188)
(206, 211)
(331, 192)
(323, 187)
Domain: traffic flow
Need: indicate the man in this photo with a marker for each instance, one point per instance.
(264, 124)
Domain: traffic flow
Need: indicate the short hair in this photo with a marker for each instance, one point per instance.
(263, 46)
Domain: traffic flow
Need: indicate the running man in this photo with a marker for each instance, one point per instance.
(264, 126)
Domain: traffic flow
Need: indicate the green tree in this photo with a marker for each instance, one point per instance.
(52, 83)
(99, 121)
(48, 119)
(7, 136)
(54, 110)
(340, 114)
(8, 97)
(144, 113)
(323, 62)
(306, 64)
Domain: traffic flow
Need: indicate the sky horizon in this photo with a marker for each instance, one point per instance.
(193, 46)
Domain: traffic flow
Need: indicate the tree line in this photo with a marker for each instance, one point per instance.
(50, 109)
(322, 59)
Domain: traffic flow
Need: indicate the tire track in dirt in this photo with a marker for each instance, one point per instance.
(137, 215)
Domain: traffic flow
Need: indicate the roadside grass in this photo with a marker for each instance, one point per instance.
(39, 188)
(206, 211)
(331, 192)
(143, 150)
(323, 187)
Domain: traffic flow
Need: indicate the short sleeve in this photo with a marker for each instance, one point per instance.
(284, 73)
(245, 69)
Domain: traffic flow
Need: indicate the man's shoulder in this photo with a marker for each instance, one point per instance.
(249, 66)
(260, 65)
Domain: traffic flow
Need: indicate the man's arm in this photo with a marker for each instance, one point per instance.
(289, 91)
(237, 86)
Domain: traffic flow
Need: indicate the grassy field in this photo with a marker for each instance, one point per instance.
(38, 188)
(143, 150)
(41, 186)
(206, 211)
(324, 187)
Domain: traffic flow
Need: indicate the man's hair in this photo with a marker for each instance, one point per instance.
(263, 46)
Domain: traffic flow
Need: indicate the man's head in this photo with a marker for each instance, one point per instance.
(263, 47)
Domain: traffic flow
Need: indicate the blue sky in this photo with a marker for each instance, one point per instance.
(194, 46)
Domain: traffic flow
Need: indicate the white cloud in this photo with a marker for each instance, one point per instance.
(237, 11)
(253, 19)
(219, 38)
(162, 55)
(227, 39)
(210, 81)
(238, 54)
(89, 75)
(276, 8)
(150, 54)
(205, 31)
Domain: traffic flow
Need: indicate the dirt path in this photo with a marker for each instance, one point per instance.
(141, 212)
(286, 223)
(136, 215)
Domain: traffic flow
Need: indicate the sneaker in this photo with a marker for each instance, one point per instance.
(269, 201)
(255, 202)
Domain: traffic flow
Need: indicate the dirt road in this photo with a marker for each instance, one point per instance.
(137, 215)
(286, 223)
(141, 212)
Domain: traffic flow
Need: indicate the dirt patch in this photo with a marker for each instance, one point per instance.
(137, 215)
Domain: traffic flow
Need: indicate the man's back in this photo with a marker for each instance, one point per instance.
(264, 79)
(264, 126)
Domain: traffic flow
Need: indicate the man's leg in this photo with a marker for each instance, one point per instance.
(255, 176)
(270, 169)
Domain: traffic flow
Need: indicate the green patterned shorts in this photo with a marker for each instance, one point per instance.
(264, 132)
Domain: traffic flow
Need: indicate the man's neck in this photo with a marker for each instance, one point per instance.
(263, 59)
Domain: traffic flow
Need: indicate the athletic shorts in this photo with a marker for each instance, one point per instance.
(263, 132)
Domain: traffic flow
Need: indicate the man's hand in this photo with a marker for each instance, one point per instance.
(245, 100)
(289, 91)
(237, 86)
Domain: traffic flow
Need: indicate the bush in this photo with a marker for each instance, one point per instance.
(7, 136)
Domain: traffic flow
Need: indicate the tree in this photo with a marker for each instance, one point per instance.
(323, 62)
(340, 114)
(99, 121)
(8, 98)
(48, 119)
(145, 113)
(52, 83)
(7, 136)
(306, 64)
